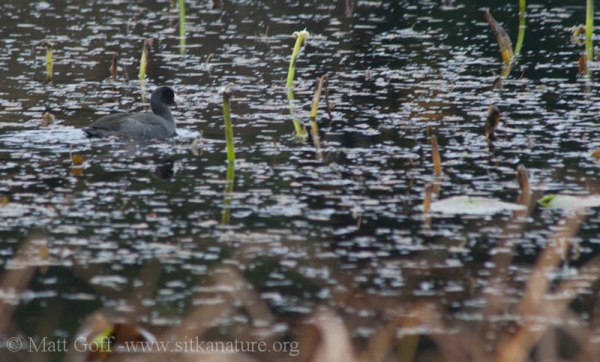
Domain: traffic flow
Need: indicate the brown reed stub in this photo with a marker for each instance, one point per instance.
(492, 121)
(502, 37)
(76, 159)
(322, 84)
(523, 178)
(524, 197)
(114, 66)
(47, 119)
(435, 155)
(582, 65)
(427, 198)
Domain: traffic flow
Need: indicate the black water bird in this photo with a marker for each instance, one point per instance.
(140, 126)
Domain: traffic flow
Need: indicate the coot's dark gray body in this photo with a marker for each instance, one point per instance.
(140, 126)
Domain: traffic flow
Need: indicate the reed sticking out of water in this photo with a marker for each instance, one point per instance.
(300, 38)
(323, 82)
(49, 58)
(427, 198)
(523, 178)
(589, 30)
(49, 62)
(114, 66)
(77, 168)
(226, 216)
(47, 119)
(144, 59)
(491, 123)
(182, 26)
(226, 93)
(501, 36)
(435, 155)
(524, 196)
(522, 26)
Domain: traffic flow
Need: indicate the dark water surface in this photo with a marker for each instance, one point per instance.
(139, 229)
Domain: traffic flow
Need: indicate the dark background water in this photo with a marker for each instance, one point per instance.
(398, 72)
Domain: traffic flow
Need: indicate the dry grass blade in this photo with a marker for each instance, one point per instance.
(399, 332)
(331, 342)
(589, 351)
(380, 345)
(465, 346)
(549, 259)
(231, 288)
(517, 346)
(15, 279)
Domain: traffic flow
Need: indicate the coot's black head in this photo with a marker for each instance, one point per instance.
(165, 95)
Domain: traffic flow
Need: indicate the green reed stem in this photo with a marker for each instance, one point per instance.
(589, 30)
(522, 26)
(228, 190)
(49, 62)
(182, 26)
(226, 92)
(300, 38)
(298, 127)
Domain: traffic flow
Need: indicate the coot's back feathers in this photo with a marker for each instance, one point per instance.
(139, 126)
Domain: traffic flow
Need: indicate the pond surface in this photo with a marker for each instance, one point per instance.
(138, 230)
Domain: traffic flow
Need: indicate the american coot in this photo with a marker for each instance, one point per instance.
(140, 126)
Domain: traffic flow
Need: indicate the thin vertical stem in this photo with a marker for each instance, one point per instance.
(589, 30)
(226, 92)
(144, 59)
(435, 155)
(522, 26)
(181, 26)
(49, 62)
(300, 38)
